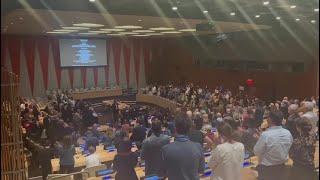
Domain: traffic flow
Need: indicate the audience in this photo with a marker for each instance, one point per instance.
(227, 157)
(272, 149)
(183, 159)
(203, 112)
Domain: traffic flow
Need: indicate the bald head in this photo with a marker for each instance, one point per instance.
(292, 108)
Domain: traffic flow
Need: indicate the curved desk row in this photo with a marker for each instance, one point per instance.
(97, 94)
(156, 100)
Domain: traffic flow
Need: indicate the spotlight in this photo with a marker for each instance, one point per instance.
(92, 0)
(205, 12)
(266, 2)
(293, 6)
(316, 10)
(232, 14)
(278, 18)
(313, 21)
(174, 8)
(297, 19)
(257, 16)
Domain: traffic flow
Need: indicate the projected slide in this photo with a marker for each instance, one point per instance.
(82, 52)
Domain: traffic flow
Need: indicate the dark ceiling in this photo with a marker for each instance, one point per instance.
(217, 9)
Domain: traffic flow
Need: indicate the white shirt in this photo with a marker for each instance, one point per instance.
(273, 146)
(226, 161)
(92, 160)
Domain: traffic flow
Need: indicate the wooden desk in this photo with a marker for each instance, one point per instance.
(156, 100)
(97, 93)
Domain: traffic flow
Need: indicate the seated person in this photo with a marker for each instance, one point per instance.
(93, 159)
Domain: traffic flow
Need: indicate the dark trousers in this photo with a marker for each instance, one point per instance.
(276, 172)
(300, 172)
(66, 169)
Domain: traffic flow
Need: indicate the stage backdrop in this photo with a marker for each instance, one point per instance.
(36, 61)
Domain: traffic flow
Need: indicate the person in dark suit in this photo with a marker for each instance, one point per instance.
(45, 156)
(138, 134)
(125, 161)
(183, 159)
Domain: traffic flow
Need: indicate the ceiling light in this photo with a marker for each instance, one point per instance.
(257, 16)
(88, 25)
(266, 2)
(65, 30)
(21, 18)
(128, 27)
(11, 23)
(128, 33)
(139, 20)
(76, 28)
(232, 13)
(57, 32)
(88, 33)
(114, 30)
(141, 35)
(174, 8)
(92, 0)
(155, 34)
(104, 32)
(187, 30)
(162, 29)
(293, 6)
(171, 32)
(278, 18)
(115, 34)
(316, 10)
(313, 21)
(297, 19)
(205, 11)
(143, 31)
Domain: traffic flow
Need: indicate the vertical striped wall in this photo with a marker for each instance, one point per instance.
(36, 60)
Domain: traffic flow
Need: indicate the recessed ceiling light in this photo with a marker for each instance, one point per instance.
(155, 34)
(128, 33)
(21, 18)
(115, 34)
(297, 19)
(171, 32)
(139, 20)
(143, 31)
(88, 33)
(174, 8)
(162, 29)
(114, 30)
(57, 32)
(76, 28)
(293, 6)
(313, 21)
(92, 0)
(88, 25)
(278, 18)
(65, 30)
(128, 27)
(103, 32)
(187, 30)
(232, 13)
(257, 16)
(316, 10)
(266, 2)
(205, 11)
(141, 35)
(11, 23)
